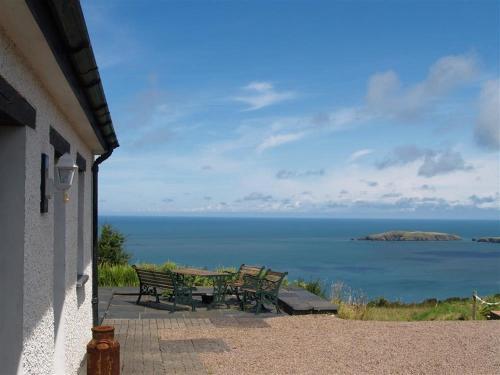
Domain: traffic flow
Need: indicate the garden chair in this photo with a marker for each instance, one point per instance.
(234, 286)
(263, 290)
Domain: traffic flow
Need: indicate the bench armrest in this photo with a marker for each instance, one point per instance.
(252, 282)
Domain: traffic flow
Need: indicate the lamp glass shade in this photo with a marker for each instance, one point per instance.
(65, 176)
(65, 169)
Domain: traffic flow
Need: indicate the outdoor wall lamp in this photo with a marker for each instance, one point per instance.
(64, 173)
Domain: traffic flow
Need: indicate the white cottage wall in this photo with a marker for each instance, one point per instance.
(38, 314)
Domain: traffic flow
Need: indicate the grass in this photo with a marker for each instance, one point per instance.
(117, 275)
(124, 275)
(412, 312)
(380, 309)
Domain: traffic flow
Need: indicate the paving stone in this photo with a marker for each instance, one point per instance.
(252, 323)
(123, 315)
(223, 322)
(154, 315)
(205, 345)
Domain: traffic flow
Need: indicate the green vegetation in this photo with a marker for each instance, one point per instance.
(120, 275)
(353, 306)
(111, 247)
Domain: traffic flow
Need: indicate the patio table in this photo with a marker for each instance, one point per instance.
(219, 281)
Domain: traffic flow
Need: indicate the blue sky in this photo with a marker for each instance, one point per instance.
(300, 108)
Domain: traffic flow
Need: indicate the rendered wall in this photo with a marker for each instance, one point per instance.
(12, 164)
(37, 294)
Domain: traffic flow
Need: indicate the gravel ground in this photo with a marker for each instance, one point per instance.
(319, 344)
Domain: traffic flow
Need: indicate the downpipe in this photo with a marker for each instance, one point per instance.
(95, 236)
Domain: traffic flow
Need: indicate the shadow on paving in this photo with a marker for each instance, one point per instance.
(120, 303)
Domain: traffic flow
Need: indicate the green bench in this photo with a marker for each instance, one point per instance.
(262, 290)
(237, 282)
(151, 282)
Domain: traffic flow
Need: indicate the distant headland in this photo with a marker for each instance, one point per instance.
(487, 239)
(399, 235)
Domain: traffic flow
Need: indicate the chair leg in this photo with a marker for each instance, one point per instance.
(259, 306)
(140, 295)
(243, 301)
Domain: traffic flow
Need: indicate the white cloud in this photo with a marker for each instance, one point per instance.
(263, 192)
(359, 154)
(439, 163)
(263, 94)
(402, 155)
(285, 174)
(387, 97)
(278, 140)
(433, 162)
(487, 130)
(259, 86)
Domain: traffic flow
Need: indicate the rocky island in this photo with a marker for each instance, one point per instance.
(399, 235)
(488, 239)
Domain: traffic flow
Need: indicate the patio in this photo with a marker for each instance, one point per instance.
(120, 303)
(144, 330)
(232, 342)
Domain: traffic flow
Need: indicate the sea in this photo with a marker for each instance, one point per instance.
(326, 250)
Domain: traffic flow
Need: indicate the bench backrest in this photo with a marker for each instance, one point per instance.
(246, 269)
(271, 281)
(157, 279)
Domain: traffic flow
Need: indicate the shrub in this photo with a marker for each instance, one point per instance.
(111, 247)
(379, 302)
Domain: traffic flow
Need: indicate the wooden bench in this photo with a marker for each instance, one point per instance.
(238, 280)
(263, 289)
(150, 282)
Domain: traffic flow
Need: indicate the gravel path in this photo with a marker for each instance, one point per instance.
(319, 344)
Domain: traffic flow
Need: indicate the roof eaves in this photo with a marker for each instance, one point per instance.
(64, 28)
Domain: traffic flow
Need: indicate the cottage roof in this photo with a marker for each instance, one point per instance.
(64, 28)
(53, 38)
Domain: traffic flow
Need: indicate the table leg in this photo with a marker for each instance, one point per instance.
(220, 288)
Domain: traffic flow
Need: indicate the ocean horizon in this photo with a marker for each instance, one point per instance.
(325, 249)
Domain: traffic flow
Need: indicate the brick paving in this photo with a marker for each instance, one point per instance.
(145, 347)
(152, 335)
(152, 339)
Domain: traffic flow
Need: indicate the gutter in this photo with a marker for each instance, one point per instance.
(63, 26)
(95, 235)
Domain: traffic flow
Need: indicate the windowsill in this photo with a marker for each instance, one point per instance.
(81, 280)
